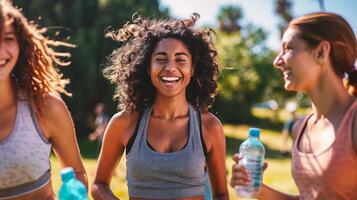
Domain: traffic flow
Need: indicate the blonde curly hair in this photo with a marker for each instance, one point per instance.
(34, 73)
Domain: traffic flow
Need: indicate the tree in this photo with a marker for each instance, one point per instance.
(247, 76)
(283, 9)
(85, 22)
(229, 17)
(322, 5)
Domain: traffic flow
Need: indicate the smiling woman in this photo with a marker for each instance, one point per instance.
(318, 54)
(166, 74)
(34, 119)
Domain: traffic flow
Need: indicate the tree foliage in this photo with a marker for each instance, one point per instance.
(229, 18)
(85, 22)
(283, 8)
(247, 73)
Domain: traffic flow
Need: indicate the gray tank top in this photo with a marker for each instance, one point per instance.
(155, 175)
(24, 156)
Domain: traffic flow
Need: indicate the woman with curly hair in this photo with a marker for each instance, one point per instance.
(318, 55)
(33, 117)
(166, 74)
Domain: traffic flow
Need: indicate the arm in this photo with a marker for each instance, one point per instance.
(240, 174)
(213, 136)
(240, 177)
(120, 129)
(57, 125)
(268, 193)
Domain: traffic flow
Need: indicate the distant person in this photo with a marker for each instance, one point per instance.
(100, 123)
(33, 118)
(318, 55)
(291, 108)
(166, 74)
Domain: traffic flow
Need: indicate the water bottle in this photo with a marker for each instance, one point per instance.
(71, 188)
(252, 152)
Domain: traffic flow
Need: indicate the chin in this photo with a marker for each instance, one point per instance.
(289, 87)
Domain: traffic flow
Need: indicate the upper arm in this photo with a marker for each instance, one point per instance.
(56, 123)
(216, 149)
(119, 130)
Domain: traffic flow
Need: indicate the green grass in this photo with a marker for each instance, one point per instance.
(278, 174)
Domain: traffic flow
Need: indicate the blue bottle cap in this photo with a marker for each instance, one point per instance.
(254, 132)
(67, 173)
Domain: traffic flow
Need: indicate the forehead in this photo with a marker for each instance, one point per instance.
(8, 26)
(171, 44)
(291, 35)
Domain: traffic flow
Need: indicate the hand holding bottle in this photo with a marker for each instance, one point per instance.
(240, 175)
(247, 174)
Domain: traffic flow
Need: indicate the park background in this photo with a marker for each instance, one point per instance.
(250, 90)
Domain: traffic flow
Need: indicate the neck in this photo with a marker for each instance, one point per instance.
(7, 94)
(329, 97)
(170, 108)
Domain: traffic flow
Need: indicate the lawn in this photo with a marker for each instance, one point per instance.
(278, 174)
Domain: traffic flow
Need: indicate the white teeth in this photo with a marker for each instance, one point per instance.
(287, 72)
(2, 62)
(170, 78)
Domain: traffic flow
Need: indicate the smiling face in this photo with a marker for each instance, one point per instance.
(9, 52)
(297, 62)
(170, 67)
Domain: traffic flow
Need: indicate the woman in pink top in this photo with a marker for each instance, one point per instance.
(317, 56)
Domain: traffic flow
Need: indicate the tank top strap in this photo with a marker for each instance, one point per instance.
(195, 130)
(140, 134)
(300, 131)
(345, 132)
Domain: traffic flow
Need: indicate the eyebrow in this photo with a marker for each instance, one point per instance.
(176, 54)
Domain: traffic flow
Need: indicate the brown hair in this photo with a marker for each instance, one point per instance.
(128, 65)
(34, 73)
(2, 19)
(324, 26)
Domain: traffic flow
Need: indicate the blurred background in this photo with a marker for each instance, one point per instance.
(250, 91)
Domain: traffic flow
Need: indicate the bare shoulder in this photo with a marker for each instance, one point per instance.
(53, 105)
(122, 126)
(297, 127)
(54, 113)
(212, 129)
(123, 118)
(211, 124)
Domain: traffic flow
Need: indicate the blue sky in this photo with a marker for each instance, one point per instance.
(259, 12)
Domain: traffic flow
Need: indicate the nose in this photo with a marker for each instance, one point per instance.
(278, 61)
(170, 65)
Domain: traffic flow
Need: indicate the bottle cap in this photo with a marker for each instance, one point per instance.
(67, 173)
(254, 132)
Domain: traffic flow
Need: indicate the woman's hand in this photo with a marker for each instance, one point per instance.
(240, 175)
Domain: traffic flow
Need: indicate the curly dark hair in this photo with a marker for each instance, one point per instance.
(127, 66)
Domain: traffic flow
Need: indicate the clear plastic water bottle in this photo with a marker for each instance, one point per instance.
(71, 188)
(252, 152)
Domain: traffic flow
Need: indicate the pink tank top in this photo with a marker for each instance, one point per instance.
(332, 173)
